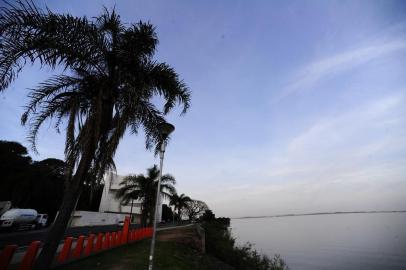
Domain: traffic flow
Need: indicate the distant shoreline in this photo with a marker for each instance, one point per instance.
(321, 213)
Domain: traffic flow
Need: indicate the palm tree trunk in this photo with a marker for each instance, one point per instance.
(72, 192)
(90, 198)
(57, 231)
(131, 210)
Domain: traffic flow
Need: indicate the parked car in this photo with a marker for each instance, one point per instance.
(17, 219)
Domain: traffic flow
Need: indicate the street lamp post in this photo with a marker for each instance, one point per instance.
(164, 130)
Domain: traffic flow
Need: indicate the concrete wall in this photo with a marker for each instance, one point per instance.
(109, 203)
(87, 218)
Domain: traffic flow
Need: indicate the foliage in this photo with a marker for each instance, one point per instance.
(143, 188)
(221, 244)
(208, 216)
(36, 184)
(194, 209)
(30, 184)
(15, 165)
(167, 213)
(90, 197)
(179, 202)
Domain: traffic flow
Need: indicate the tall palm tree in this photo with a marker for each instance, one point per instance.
(143, 188)
(179, 202)
(108, 80)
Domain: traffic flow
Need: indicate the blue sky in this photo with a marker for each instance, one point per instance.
(297, 106)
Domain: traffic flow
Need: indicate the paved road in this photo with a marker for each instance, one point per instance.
(164, 228)
(24, 238)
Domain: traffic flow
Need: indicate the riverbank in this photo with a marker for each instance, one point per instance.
(208, 246)
(175, 249)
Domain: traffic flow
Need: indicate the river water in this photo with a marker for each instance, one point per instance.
(373, 241)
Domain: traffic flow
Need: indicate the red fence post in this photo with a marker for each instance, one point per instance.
(126, 228)
(89, 244)
(99, 241)
(113, 239)
(106, 242)
(6, 255)
(132, 236)
(64, 254)
(79, 247)
(118, 239)
(30, 255)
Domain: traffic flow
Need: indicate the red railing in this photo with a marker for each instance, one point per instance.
(85, 246)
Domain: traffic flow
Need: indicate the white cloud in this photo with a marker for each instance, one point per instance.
(341, 129)
(316, 71)
(345, 161)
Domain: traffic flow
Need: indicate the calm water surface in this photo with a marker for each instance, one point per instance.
(346, 241)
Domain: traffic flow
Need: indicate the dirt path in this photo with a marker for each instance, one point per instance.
(185, 235)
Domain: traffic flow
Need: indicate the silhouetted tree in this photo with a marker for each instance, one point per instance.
(46, 186)
(143, 188)
(108, 83)
(208, 216)
(14, 166)
(179, 202)
(90, 197)
(30, 184)
(194, 209)
(167, 214)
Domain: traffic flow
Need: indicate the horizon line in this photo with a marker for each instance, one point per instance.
(322, 213)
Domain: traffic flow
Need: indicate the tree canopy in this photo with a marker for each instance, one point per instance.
(30, 184)
(194, 209)
(179, 202)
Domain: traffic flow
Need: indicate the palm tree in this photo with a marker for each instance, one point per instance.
(179, 202)
(108, 80)
(143, 188)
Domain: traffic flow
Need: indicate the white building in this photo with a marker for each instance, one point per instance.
(110, 204)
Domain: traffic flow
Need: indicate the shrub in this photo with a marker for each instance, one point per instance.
(221, 244)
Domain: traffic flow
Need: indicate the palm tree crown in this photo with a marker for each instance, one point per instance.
(109, 80)
(143, 188)
(179, 202)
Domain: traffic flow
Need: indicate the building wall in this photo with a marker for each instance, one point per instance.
(87, 218)
(109, 203)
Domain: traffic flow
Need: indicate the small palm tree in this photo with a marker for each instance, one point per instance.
(143, 188)
(179, 202)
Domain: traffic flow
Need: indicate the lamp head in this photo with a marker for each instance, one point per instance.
(165, 129)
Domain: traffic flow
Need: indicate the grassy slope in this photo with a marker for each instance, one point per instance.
(169, 256)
